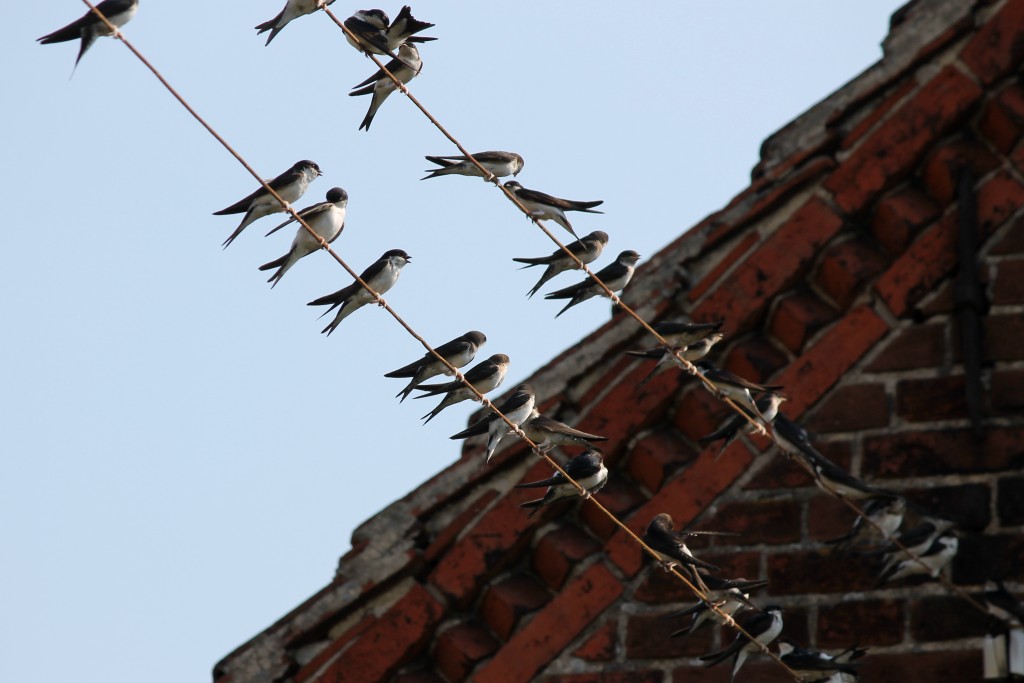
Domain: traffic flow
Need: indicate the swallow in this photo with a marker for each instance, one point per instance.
(586, 469)
(498, 165)
(517, 408)
(376, 34)
(883, 515)
(545, 207)
(587, 249)
(667, 359)
(730, 596)
(485, 376)
(381, 277)
(326, 218)
(290, 185)
(764, 626)
(293, 9)
(933, 560)
(916, 540)
(811, 665)
(403, 29)
(615, 277)
(458, 352)
(89, 26)
(1002, 604)
(548, 432)
(670, 547)
(732, 386)
(405, 68)
(767, 407)
(684, 333)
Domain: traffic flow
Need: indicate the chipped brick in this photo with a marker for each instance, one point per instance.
(998, 45)
(657, 456)
(460, 648)
(1002, 118)
(900, 216)
(561, 551)
(600, 646)
(797, 317)
(506, 602)
(845, 268)
(939, 171)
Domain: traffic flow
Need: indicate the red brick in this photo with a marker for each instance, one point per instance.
(1009, 284)
(337, 644)
(874, 623)
(658, 456)
(946, 664)
(1002, 337)
(561, 551)
(648, 636)
(600, 646)
(728, 261)
(398, 636)
(781, 260)
(820, 571)
(458, 649)
(1011, 242)
(1007, 395)
(928, 400)
(949, 451)
(1010, 499)
(660, 587)
(998, 46)
(998, 199)
(1002, 118)
(444, 538)
(618, 497)
(685, 497)
(914, 274)
(945, 617)
(420, 676)
(827, 518)
(700, 413)
(917, 346)
(797, 317)
(968, 505)
(876, 113)
(505, 603)
(764, 521)
(940, 168)
(835, 352)
(900, 216)
(852, 408)
(630, 676)
(493, 542)
(783, 474)
(894, 148)
(754, 358)
(845, 268)
(553, 628)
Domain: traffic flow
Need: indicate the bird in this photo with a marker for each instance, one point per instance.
(89, 26)
(767, 406)
(670, 546)
(290, 185)
(458, 352)
(587, 249)
(376, 34)
(517, 408)
(811, 665)
(615, 277)
(403, 29)
(883, 515)
(326, 218)
(548, 433)
(732, 386)
(667, 358)
(485, 376)
(1002, 604)
(405, 68)
(764, 626)
(586, 469)
(544, 206)
(681, 333)
(931, 562)
(730, 596)
(916, 540)
(498, 165)
(381, 277)
(293, 9)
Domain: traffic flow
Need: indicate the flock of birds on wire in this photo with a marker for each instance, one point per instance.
(930, 545)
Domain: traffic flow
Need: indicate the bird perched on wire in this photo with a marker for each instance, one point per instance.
(376, 34)
(739, 390)
(545, 207)
(497, 164)
(670, 547)
(883, 515)
(729, 596)
(380, 277)
(615, 277)
(811, 665)
(485, 376)
(930, 562)
(293, 9)
(517, 408)
(458, 352)
(548, 433)
(586, 469)
(405, 68)
(767, 406)
(290, 186)
(764, 626)
(326, 218)
(667, 358)
(587, 249)
(681, 333)
(89, 26)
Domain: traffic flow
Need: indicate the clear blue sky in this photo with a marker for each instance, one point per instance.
(185, 456)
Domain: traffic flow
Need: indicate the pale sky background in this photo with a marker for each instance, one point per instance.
(185, 456)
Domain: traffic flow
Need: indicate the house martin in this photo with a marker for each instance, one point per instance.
(684, 333)
(811, 665)
(405, 68)
(732, 386)
(458, 352)
(667, 358)
(326, 218)
(545, 207)
(615, 276)
(376, 34)
(930, 563)
(381, 277)
(498, 165)
(290, 185)
(587, 249)
(548, 433)
(293, 9)
(764, 626)
(670, 546)
(89, 26)
(767, 407)
(517, 408)
(485, 376)
(586, 469)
